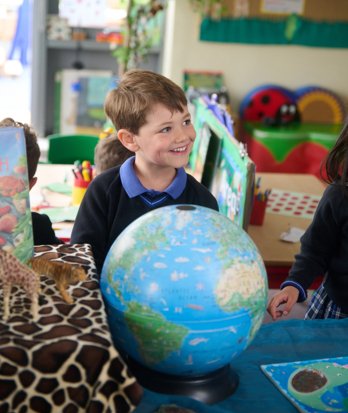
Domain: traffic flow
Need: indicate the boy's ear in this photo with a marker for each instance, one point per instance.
(127, 139)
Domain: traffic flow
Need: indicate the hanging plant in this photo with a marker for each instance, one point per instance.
(137, 35)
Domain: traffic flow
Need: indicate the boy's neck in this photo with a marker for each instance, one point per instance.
(157, 179)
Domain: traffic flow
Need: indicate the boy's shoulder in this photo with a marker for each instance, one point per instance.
(108, 175)
(192, 181)
(106, 182)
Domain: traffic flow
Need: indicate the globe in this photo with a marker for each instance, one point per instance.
(185, 290)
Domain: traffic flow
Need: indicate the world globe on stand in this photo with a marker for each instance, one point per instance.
(185, 290)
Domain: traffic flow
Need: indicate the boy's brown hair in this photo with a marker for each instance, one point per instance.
(32, 147)
(129, 103)
(109, 152)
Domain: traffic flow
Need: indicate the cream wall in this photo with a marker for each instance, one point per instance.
(248, 66)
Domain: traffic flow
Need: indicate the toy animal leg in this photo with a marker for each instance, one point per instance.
(64, 293)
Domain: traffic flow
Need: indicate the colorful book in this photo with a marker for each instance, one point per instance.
(312, 386)
(221, 163)
(16, 231)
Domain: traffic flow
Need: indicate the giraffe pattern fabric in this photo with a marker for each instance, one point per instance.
(64, 362)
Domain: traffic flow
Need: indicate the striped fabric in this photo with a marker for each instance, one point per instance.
(154, 201)
(321, 306)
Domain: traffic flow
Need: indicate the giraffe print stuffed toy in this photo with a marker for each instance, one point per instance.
(14, 272)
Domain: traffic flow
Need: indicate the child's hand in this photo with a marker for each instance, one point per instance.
(287, 296)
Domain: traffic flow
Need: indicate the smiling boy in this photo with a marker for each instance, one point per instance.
(151, 118)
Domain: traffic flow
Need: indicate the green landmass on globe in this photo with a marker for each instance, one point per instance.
(156, 336)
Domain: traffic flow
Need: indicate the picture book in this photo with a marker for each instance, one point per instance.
(232, 183)
(221, 163)
(313, 386)
(200, 151)
(16, 233)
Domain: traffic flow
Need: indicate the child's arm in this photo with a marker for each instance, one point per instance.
(287, 296)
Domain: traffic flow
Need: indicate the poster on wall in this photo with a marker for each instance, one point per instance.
(79, 100)
(84, 13)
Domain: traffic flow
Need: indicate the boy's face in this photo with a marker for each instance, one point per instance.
(166, 139)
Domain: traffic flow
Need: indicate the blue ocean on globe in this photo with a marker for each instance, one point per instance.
(185, 290)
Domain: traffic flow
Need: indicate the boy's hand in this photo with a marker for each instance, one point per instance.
(287, 296)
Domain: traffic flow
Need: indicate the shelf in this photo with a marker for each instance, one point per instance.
(51, 56)
(87, 45)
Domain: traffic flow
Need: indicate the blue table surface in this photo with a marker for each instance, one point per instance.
(277, 342)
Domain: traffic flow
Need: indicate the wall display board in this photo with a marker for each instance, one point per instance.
(316, 23)
(84, 13)
(221, 163)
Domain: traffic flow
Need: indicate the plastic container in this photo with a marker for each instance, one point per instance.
(258, 212)
(79, 189)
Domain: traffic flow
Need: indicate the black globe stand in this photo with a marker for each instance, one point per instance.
(210, 388)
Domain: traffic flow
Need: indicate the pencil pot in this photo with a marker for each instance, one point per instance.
(258, 212)
(79, 189)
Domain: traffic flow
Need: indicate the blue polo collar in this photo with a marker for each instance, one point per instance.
(134, 187)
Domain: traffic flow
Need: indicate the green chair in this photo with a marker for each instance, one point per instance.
(66, 149)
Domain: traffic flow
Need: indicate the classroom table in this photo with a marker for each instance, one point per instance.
(278, 255)
(277, 342)
(65, 361)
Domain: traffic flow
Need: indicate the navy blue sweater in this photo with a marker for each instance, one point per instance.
(106, 210)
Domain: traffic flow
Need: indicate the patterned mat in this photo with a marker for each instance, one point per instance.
(297, 204)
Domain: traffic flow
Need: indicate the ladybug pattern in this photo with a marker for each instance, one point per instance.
(270, 104)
